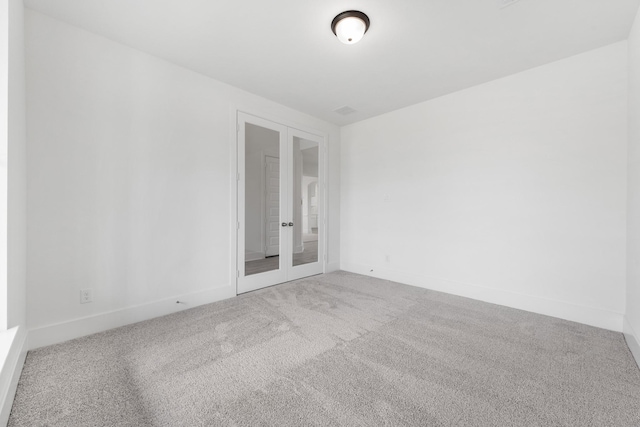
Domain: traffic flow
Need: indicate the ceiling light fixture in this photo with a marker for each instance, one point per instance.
(350, 26)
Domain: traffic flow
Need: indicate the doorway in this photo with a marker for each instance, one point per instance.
(280, 203)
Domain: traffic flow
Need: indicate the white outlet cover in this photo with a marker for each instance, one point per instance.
(86, 296)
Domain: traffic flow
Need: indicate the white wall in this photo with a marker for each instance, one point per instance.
(511, 192)
(17, 170)
(129, 186)
(632, 324)
(4, 149)
(12, 167)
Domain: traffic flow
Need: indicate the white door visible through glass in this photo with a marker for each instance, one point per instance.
(272, 178)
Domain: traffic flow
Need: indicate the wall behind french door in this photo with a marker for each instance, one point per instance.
(281, 203)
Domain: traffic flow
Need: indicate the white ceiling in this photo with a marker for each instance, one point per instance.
(415, 50)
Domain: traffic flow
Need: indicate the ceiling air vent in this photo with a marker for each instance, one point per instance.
(344, 110)
(505, 3)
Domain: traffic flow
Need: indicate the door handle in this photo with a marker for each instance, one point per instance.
(290, 224)
(284, 224)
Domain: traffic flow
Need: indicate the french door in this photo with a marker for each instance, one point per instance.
(281, 223)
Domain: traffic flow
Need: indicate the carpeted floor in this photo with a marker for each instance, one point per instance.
(336, 350)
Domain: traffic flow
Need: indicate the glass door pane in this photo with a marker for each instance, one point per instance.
(305, 159)
(262, 200)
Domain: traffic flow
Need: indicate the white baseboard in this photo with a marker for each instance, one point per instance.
(577, 313)
(13, 354)
(332, 266)
(632, 340)
(56, 333)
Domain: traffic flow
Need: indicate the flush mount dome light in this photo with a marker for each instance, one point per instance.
(350, 26)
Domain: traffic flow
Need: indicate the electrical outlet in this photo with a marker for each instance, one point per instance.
(86, 295)
(387, 258)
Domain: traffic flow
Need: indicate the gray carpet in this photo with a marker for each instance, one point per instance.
(336, 350)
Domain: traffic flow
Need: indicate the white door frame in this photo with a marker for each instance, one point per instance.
(236, 192)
